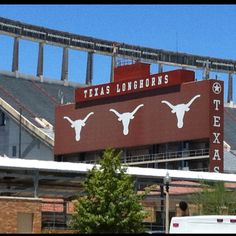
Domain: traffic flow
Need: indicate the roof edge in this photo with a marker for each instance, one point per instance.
(25, 122)
(41, 79)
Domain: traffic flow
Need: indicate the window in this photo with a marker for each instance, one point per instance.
(13, 151)
(2, 118)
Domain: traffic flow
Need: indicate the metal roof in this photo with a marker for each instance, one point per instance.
(28, 178)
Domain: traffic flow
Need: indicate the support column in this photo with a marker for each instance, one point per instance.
(64, 70)
(15, 59)
(230, 88)
(113, 65)
(160, 68)
(206, 73)
(36, 183)
(89, 71)
(20, 132)
(40, 60)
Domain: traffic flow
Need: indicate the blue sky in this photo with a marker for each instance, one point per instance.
(207, 30)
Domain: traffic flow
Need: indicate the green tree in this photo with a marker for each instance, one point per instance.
(110, 203)
(215, 199)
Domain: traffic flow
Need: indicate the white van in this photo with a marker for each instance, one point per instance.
(203, 224)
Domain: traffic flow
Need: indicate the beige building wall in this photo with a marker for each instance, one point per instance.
(17, 214)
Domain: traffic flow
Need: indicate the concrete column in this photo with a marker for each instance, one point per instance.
(15, 59)
(230, 88)
(36, 183)
(89, 71)
(20, 132)
(113, 64)
(40, 60)
(206, 72)
(64, 70)
(160, 68)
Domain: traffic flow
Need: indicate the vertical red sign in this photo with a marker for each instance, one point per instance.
(216, 118)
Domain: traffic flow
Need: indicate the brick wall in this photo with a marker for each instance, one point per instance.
(11, 206)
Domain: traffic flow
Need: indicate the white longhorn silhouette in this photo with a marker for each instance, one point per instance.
(78, 124)
(126, 117)
(180, 110)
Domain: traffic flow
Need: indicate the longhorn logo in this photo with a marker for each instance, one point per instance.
(180, 110)
(78, 124)
(126, 117)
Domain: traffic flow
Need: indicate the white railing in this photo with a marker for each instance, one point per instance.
(165, 156)
(162, 157)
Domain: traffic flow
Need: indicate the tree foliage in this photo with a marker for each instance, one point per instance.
(110, 203)
(215, 199)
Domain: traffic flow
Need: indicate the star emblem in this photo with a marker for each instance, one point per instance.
(216, 88)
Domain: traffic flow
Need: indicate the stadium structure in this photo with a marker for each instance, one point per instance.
(162, 121)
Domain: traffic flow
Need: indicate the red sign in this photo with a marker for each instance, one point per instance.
(180, 114)
(155, 81)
